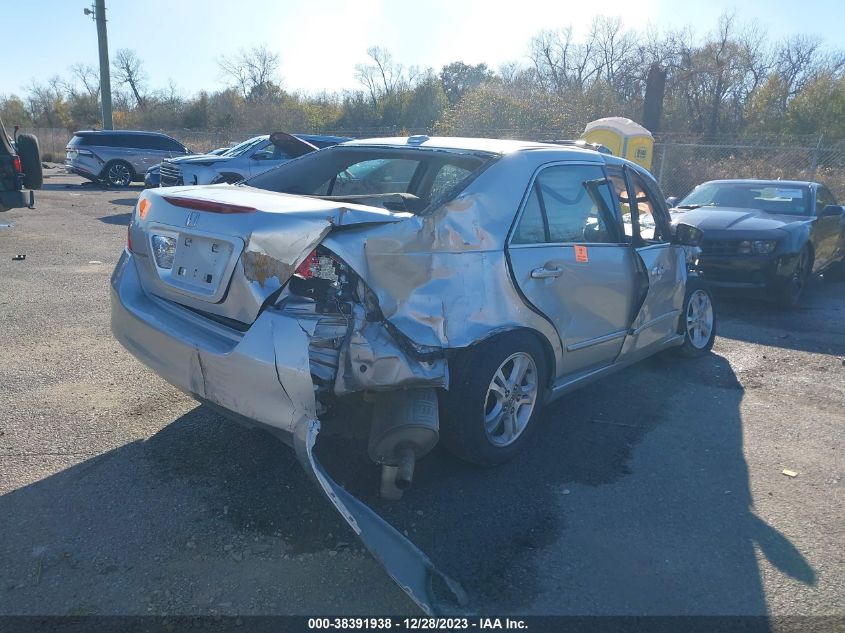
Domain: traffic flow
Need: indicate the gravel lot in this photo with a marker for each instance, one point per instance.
(656, 491)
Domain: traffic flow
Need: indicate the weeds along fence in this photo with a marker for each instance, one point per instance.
(679, 167)
(679, 164)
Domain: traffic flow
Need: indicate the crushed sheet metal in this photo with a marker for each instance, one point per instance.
(404, 562)
(442, 279)
(275, 254)
(371, 360)
(293, 366)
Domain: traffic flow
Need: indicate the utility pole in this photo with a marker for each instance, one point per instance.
(98, 14)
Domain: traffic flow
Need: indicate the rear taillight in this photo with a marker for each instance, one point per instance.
(208, 205)
(324, 278)
(320, 264)
(307, 267)
(18, 167)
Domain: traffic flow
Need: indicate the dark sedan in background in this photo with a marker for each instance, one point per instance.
(767, 234)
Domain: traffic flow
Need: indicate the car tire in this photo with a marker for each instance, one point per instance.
(496, 391)
(698, 320)
(792, 291)
(118, 173)
(835, 272)
(30, 155)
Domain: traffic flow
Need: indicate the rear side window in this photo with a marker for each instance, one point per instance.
(532, 226)
(568, 204)
(447, 177)
(104, 140)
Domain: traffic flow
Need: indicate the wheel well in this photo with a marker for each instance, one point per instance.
(548, 352)
(229, 177)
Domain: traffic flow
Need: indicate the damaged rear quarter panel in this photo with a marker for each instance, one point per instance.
(443, 279)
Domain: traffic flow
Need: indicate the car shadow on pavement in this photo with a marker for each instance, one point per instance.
(633, 498)
(122, 219)
(126, 202)
(815, 326)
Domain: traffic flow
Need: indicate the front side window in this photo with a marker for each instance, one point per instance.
(568, 204)
(823, 199)
(652, 221)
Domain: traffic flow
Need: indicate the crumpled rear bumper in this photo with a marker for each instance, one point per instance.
(261, 375)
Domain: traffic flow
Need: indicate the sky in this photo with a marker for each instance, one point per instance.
(320, 41)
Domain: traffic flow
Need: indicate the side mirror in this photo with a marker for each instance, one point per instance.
(671, 201)
(686, 234)
(831, 210)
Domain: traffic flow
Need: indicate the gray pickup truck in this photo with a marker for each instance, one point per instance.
(20, 166)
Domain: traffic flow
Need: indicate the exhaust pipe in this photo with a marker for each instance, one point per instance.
(405, 427)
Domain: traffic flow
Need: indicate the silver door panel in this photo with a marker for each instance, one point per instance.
(589, 303)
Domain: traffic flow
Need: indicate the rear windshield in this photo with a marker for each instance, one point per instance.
(396, 178)
(771, 197)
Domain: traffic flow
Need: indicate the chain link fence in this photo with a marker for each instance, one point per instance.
(680, 163)
(679, 167)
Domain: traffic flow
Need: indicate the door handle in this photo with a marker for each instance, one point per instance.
(658, 271)
(546, 273)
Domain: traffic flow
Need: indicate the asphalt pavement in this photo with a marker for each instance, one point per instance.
(656, 491)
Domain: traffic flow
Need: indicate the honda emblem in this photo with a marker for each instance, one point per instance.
(192, 219)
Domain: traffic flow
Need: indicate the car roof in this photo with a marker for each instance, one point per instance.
(489, 145)
(752, 181)
(119, 133)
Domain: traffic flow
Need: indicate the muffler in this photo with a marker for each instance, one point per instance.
(405, 427)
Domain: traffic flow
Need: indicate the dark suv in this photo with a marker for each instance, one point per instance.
(119, 157)
(20, 166)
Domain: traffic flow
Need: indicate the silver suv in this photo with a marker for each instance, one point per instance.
(119, 157)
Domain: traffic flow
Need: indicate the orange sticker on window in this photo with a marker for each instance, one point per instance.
(581, 254)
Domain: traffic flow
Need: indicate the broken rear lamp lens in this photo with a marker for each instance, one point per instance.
(320, 265)
(307, 267)
(164, 250)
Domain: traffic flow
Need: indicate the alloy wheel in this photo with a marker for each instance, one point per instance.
(119, 175)
(511, 397)
(699, 319)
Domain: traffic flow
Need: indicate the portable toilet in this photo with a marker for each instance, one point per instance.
(623, 137)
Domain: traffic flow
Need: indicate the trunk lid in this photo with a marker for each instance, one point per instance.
(224, 249)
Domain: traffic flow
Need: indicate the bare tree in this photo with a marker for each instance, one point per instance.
(129, 71)
(614, 47)
(800, 59)
(253, 72)
(88, 76)
(46, 103)
(383, 77)
(562, 64)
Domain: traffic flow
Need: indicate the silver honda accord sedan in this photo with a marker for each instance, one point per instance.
(456, 284)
